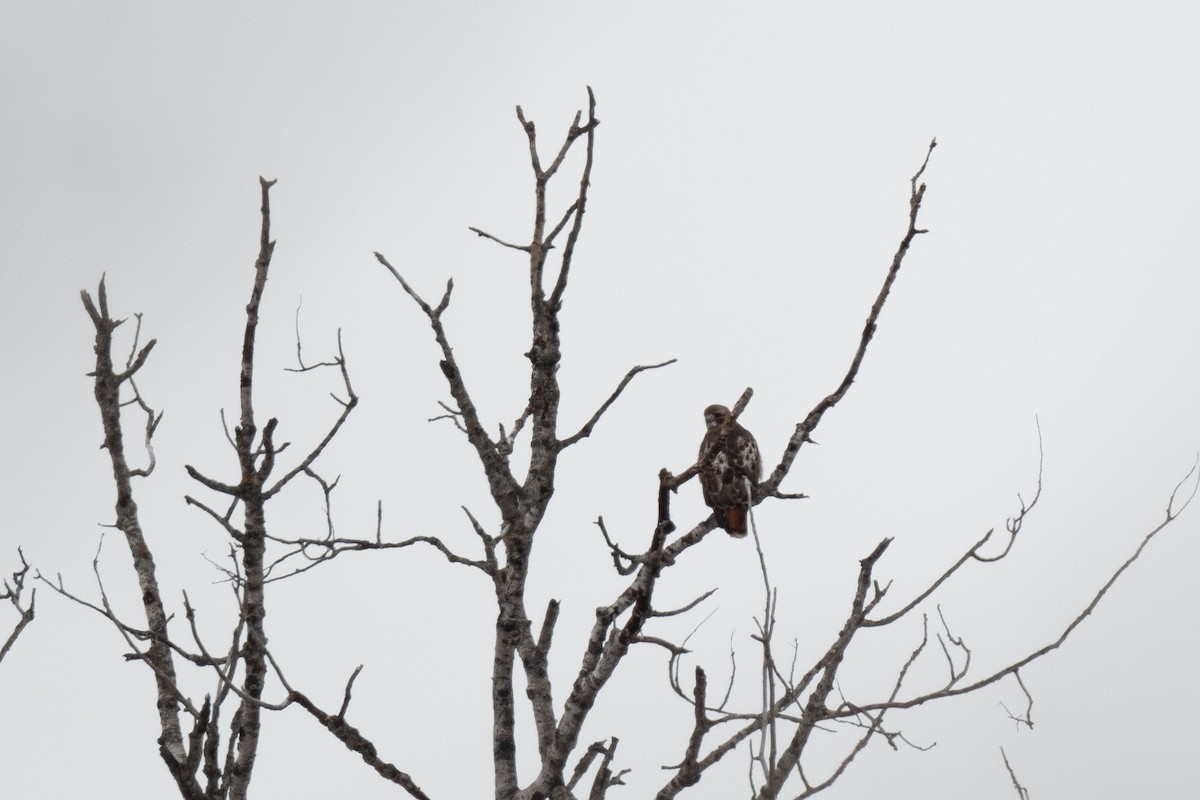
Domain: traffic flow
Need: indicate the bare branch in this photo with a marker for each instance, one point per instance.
(743, 400)
(955, 675)
(618, 555)
(874, 724)
(586, 430)
(585, 761)
(573, 133)
(489, 543)
(973, 552)
(605, 779)
(562, 223)
(330, 548)
(137, 361)
(486, 235)
(300, 365)
(505, 445)
(353, 739)
(224, 668)
(452, 414)
(684, 609)
(580, 204)
(804, 430)
(134, 363)
(222, 519)
(13, 592)
(1022, 792)
(215, 485)
(1025, 718)
(347, 407)
(430, 312)
(501, 482)
(346, 695)
(318, 551)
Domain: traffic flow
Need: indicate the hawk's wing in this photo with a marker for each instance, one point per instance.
(746, 458)
(729, 455)
(713, 461)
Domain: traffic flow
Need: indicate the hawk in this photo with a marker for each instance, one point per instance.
(728, 459)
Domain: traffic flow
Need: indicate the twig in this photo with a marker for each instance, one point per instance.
(1022, 792)
(586, 430)
(12, 592)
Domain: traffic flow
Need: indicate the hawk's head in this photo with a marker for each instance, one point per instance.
(716, 415)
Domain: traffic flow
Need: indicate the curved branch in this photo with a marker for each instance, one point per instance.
(683, 609)
(1171, 514)
(586, 430)
(1014, 527)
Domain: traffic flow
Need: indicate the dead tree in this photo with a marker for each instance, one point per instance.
(14, 590)
(778, 730)
(209, 745)
(801, 702)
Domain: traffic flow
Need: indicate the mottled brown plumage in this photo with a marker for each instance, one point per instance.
(728, 458)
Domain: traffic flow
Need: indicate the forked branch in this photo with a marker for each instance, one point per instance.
(1172, 512)
(492, 455)
(13, 592)
(107, 391)
(974, 552)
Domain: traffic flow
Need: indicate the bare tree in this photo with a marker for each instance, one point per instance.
(777, 732)
(800, 703)
(205, 762)
(14, 590)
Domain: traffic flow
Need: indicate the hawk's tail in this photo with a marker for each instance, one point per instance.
(735, 521)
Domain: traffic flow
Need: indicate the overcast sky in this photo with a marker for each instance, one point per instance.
(750, 186)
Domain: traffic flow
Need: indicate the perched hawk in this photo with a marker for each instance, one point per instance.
(728, 458)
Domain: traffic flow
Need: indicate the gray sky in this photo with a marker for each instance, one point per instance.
(751, 176)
